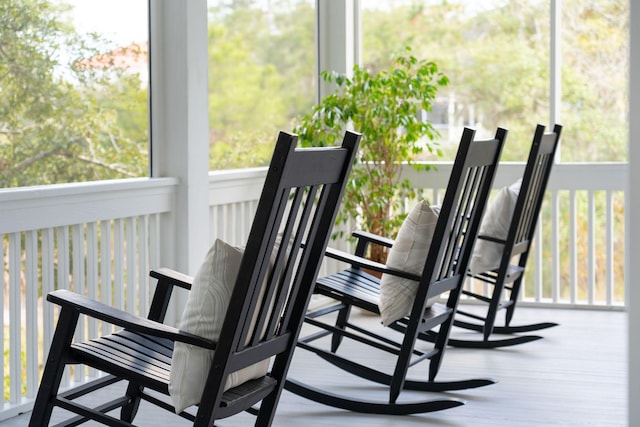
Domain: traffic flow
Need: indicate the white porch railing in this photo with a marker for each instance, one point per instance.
(578, 257)
(102, 238)
(95, 238)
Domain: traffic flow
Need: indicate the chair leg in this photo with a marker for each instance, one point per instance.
(513, 297)
(440, 344)
(436, 360)
(130, 409)
(492, 312)
(402, 364)
(268, 406)
(267, 413)
(54, 368)
(341, 321)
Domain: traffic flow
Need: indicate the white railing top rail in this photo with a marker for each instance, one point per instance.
(610, 176)
(39, 207)
(236, 185)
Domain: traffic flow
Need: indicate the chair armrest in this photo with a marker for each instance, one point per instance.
(172, 277)
(168, 279)
(95, 309)
(373, 238)
(360, 262)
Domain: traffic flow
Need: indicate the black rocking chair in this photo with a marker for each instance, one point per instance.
(299, 201)
(444, 273)
(515, 253)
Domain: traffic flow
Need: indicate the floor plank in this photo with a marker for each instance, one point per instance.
(575, 376)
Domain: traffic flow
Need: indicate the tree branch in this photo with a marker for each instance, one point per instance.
(113, 168)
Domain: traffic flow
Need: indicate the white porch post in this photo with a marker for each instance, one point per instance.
(179, 125)
(337, 37)
(555, 69)
(632, 210)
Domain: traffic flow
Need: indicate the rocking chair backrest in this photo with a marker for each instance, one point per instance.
(281, 260)
(459, 219)
(504, 268)
(531, 195)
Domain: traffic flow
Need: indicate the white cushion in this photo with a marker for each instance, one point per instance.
(203, 315)
(495, 223)
(408, 253)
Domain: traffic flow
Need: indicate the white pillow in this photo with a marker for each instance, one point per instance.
(408, 253)
(203, 315)
(495, 223)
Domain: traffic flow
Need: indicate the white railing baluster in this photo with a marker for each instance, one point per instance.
(92, 258)
(216, 222)
(118, 263)
(48, 282)
(31, 309)
(3, 251)
(130, 257)
(573, 248)
(225, 215)
(105, 269)
(237, 213)
(62, 253)
(222, 218)
(537, 271)
(248, 210)
(609, 238)
(154, 241)
(92, 272)
(78, 283)
(555, 246)
(143, 265)
(591, 249)
(15, 318)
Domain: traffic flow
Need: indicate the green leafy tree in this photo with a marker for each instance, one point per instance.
(595, 77)
(386, 107)
(261, 76)
(494, 64)
(497, 58)
(64, 117)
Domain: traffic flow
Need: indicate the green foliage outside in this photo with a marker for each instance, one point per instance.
(92, 123)
(66, 115)
(261, 77)
(386, 107)
(497, 59)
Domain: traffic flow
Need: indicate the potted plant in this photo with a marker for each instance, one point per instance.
(386, 107)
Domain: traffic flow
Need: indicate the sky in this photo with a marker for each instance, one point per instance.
(121, 21)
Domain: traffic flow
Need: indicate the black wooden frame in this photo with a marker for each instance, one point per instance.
(299, 202)
(444, 274)
(508, 277)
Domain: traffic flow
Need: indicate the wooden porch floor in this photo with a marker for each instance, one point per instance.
(575, 376)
